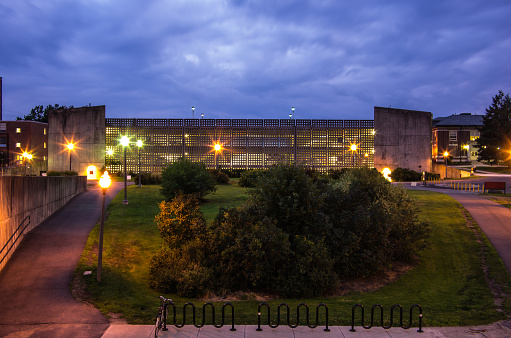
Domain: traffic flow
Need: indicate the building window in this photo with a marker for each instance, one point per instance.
(3, 127)
(44, 131)
(3, 141)
(18, 130)
(453, 136)
(44, 145)
(18, 145)
(44, 158)
(474, 135)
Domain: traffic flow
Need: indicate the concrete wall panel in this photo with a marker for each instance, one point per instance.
(36, 196)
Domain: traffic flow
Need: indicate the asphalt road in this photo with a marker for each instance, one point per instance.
(35, 299)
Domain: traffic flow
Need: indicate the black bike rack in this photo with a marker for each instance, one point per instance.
(194, 318)
(288, 316)
(381, 316)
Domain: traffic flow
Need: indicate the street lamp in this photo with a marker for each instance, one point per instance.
(292, 112)
(218, 148)
(26, 156)
(125, 141)
(139, 145)
(110, 153)
(446, 157)
(193, 112)
(70, 146)
(104, 183)
(353, 149)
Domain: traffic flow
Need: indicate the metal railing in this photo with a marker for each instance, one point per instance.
(16, 235)
(381, 317)
(288, 320)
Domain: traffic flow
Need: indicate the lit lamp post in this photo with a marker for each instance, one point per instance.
(110, 153)
(70, 146)
(353, 149)
(292, 112)
(104, 183)
(446, 157)
(125, 141)
(139, 145)
(218, 148)
(26, 156)
(193, 112)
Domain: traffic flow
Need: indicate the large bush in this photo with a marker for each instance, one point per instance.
(294, 237)
(186, 177)
(405, 175)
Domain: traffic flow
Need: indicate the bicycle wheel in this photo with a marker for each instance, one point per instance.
(157, 326)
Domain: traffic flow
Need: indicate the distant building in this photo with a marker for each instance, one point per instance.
(456, 134)
(396, 138)
(18, 137)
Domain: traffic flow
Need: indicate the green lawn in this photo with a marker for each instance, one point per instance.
(448, 282)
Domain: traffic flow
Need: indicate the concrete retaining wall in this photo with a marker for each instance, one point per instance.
(38, 197)
(452, 172)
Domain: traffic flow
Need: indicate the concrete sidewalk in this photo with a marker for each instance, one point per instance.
(249, 331)
(35, 299)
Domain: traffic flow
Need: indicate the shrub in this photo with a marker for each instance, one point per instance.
(180, 220)
(405, 175)
(219, 176)
(249, 178)
(148, 178)
(61, 173)
(187, 177)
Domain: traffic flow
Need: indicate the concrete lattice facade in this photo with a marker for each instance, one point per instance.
(246, 143)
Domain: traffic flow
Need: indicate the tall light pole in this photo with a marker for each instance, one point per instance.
(218, 148)
(139, 145)
(125, 141)
(292, 113)
(104, 183)
(110, 153)
(26, 156)
(70, 147)
(446, 157)
(353, 149)
(193, 112)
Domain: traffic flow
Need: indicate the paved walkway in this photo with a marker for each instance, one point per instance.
(249, 331)
(35, 300)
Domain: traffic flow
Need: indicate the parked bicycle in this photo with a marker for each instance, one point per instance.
(161, 317)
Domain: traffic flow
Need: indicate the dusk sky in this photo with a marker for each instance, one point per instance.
(330, 59)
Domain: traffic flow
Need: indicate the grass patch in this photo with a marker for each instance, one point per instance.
(449, 282)
(498, 170)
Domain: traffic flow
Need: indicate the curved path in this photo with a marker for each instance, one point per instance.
(35, 299)
(493, 218)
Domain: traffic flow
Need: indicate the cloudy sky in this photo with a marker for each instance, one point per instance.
(330, 59)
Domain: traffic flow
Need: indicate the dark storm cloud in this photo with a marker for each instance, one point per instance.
(329, 59)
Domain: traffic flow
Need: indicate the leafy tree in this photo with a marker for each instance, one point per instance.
(187, 177)
(495, 136)
(39, 114)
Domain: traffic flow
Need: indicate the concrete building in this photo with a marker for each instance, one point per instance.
(396, 138)
(456, 134)
(403, 139)
(85, 129)
(19, 137)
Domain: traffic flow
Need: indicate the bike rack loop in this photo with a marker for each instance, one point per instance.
(194, 319)
(381, 317)
(288, 316)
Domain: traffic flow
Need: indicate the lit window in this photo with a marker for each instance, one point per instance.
(453, 136)
(44, 145)
(44, 131)
(44, 158)
(18, 145)
(18, 130)
(474, 135)
(3, 127)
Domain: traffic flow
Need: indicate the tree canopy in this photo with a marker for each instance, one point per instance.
(495, 139)
(40, 114)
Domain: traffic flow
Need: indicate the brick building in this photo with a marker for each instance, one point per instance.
(456, 134)
(18, 137)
